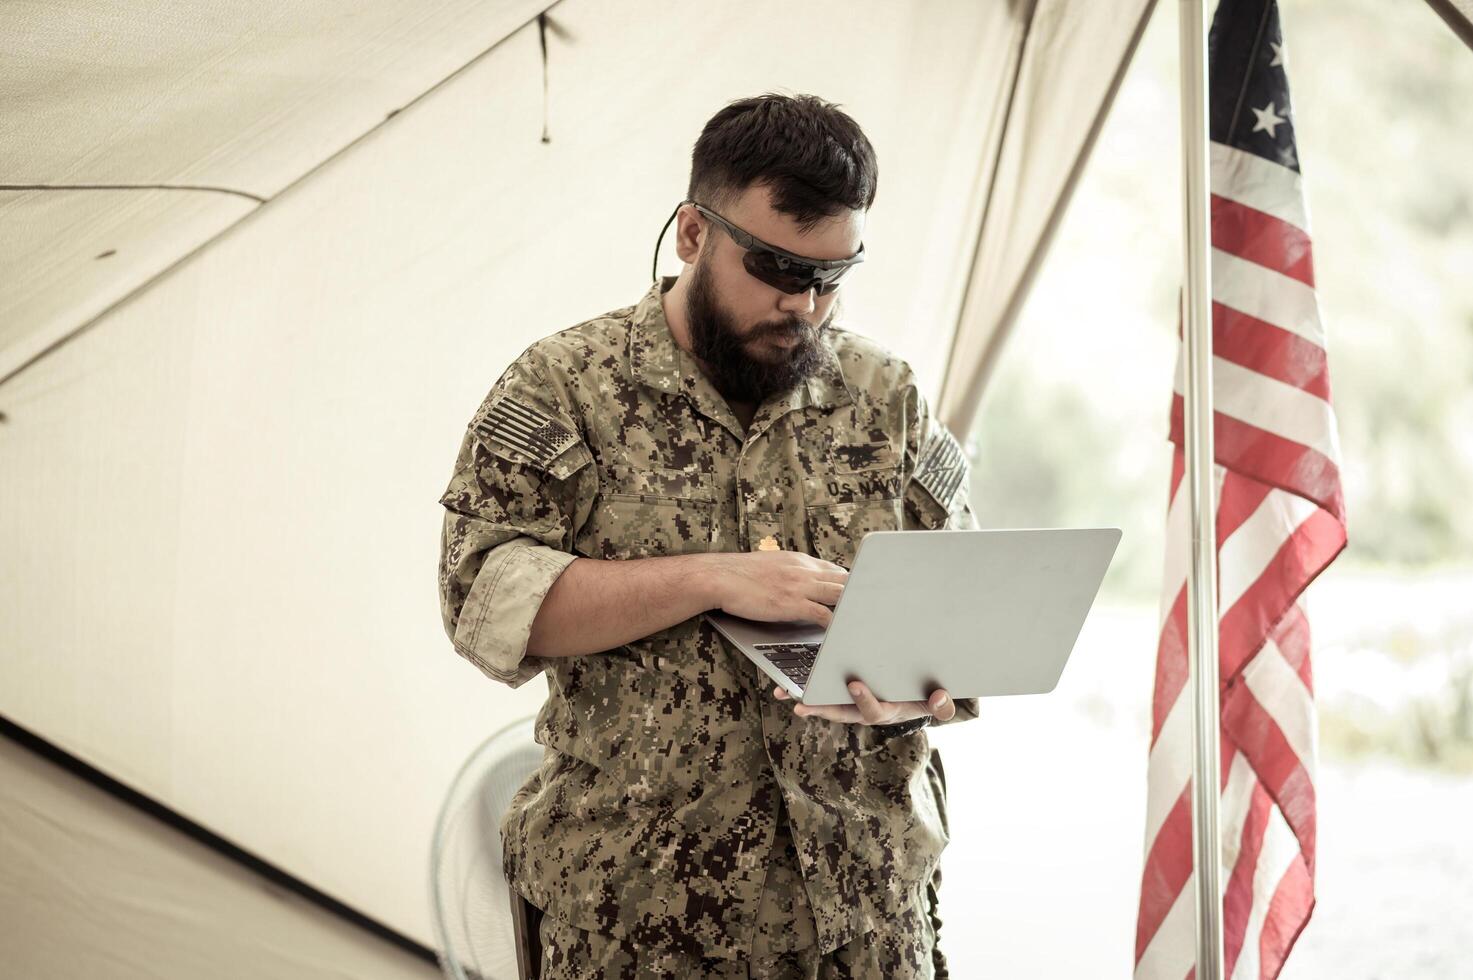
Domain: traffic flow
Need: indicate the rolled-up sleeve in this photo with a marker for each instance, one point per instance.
(522, 487)
(495, 621)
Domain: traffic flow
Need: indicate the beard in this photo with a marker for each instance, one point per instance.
(736, 374)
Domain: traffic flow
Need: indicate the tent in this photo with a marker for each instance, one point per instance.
(258, 266)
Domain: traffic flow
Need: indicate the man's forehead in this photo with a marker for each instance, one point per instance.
(837, 237)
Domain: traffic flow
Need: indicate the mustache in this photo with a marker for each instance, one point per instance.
(783, 331)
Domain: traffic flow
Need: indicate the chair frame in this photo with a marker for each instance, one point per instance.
(526, 920)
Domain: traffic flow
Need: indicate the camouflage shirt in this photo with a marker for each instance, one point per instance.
(653, 814)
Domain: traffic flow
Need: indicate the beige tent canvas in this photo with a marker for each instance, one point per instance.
(258, 264)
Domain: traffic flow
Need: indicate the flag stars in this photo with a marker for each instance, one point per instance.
(1278, 61)
(1268, 120)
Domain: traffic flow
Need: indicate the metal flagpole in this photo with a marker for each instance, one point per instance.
(1201, 487)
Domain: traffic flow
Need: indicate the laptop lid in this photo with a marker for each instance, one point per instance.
(979, 612)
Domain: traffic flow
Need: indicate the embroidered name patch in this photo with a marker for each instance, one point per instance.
(942, 466)
(529, 431)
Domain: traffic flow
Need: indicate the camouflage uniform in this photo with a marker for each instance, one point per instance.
(782, 948)
(903, 948)
(653, 816)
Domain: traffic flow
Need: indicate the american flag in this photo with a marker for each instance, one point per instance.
(1280, 522)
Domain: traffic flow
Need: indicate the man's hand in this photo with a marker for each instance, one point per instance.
(775, 586)
(869, 710)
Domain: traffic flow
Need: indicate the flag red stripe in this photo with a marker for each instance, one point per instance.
(1262, 239)
(1288, 913)
(1237, 900)
(1240, 497)
(1270, 458)
(1292, 637)
(1258, 736)
(1302, 556)
(1171, 664)
(1244, 628)
(1276, 546)
(1165, 873)
(1171, 648)
(1245, 722)
(1270, 350)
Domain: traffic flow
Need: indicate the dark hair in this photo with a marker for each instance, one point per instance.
(816, 159)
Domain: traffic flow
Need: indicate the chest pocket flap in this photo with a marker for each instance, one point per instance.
(649, 511)
(861, 493)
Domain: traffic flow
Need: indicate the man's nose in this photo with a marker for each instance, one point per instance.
(799, 303)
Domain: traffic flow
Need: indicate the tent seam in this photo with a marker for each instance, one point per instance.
(316, 168)
(134, 187)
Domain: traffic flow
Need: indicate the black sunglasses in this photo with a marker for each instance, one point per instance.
(778, 268)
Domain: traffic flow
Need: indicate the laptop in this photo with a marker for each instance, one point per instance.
(979, 612)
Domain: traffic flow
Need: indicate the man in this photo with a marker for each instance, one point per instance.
(721, 444)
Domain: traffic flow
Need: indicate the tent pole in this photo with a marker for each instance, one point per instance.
(1201, 487)
(1458, 16)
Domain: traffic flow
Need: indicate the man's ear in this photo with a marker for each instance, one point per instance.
(690, 232)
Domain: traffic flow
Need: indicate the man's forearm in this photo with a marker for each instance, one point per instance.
(598, 605)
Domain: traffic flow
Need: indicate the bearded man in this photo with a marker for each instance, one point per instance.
(723, 443)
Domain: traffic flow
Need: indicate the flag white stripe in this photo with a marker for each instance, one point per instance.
(1172, 951)
(1169, 766)
(1301, 419)
(1269, 404)
(1258, 183)
(1162, 957)
(1251, 545)
(1281, 692)
(1237, 797)
(1280, 848)
(1268, 295)
(1178, 555)
(1288, 418)
(1177, 558)
(1247, 552)
(1232, 812)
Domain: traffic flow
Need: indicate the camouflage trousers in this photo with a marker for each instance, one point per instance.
(784, 947)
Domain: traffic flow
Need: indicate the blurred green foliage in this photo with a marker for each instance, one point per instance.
(1072, 430)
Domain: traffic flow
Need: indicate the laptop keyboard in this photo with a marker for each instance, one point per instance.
(793, 659)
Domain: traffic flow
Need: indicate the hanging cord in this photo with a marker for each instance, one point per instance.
(546, 25)
(542, 39)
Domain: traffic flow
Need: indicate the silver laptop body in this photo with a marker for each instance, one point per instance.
(978, 612)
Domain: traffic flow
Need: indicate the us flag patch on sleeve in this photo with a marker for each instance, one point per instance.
(941, 466)
(527, 430)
